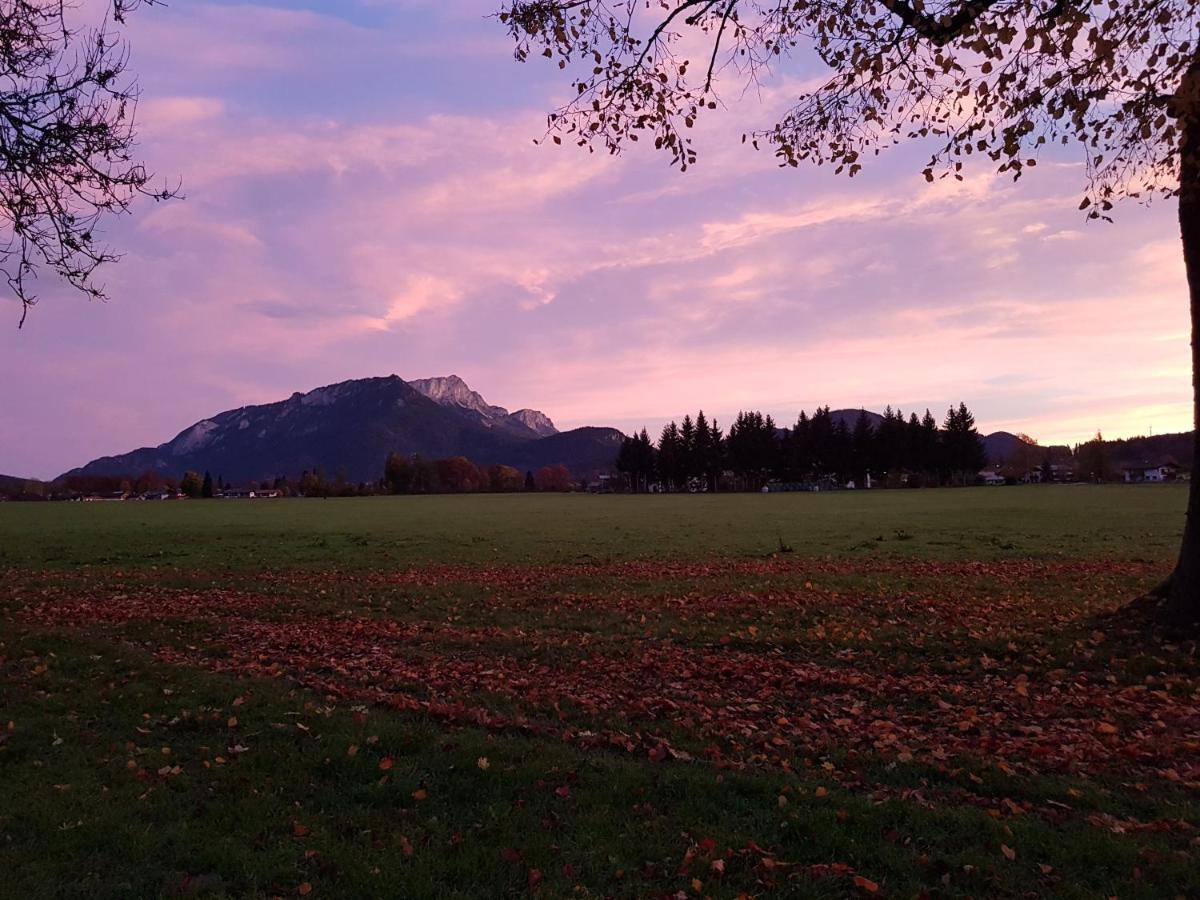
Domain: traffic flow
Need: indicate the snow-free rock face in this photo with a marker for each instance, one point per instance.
(351, 427)
(535, 421)
(452, 392)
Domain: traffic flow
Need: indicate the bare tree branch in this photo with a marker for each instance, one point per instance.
(67, 111)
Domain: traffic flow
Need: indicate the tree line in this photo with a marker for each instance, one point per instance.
(458, 475)
(401, 475)
(817, 449)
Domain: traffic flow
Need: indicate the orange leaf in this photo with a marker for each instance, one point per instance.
(385, 763)
(866, 884)
(420, 794)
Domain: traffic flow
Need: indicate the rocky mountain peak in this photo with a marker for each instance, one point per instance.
(451, 391)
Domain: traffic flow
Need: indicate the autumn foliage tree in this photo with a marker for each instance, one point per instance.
(458, 475)
(67, 142)
(1004, 82)
(504, 479)
(553, 478)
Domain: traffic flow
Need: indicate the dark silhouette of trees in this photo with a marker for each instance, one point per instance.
(397, 474)
(891, 454)
(206, 486)
(820, 449)
(638, 460)
(997, 80)
(962, 451)
(67, 140)
(687, 449)
(753, 448)
(708, 452)
(862, 446)
(1093, 460)
(671, 457)
(191, 484)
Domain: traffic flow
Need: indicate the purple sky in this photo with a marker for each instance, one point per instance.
(364, 198)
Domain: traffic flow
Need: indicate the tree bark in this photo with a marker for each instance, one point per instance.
(1182, 606)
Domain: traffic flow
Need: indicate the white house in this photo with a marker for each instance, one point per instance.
(1167, 470)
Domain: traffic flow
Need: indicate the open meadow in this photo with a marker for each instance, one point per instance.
(894, 693)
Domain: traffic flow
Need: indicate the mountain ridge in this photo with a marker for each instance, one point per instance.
(348, 428)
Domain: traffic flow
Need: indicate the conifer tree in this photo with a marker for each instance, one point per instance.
(714, 464)
(701, 448)
(670, 456)
(861, 442)
(687, 449)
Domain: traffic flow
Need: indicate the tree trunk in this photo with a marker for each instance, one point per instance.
(1183, 593)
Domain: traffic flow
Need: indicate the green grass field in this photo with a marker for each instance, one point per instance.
(1123, 522)
(936, 693)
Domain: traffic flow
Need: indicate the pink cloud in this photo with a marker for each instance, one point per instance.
(320, 242)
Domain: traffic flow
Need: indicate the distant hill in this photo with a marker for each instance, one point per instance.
(849, 417)
(349, 428)
(1004, 448)
(1150, 451)
(14, 488)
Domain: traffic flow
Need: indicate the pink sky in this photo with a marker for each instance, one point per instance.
(364, 198)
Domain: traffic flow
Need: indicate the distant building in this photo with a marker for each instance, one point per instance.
(250, 493)
(990, 476)
(1059, 474)
(1163, 470)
